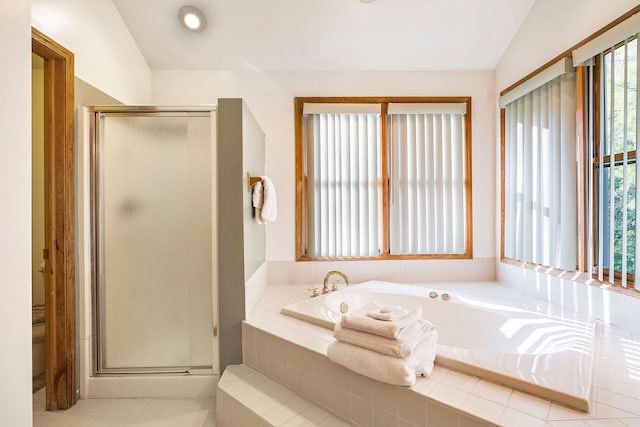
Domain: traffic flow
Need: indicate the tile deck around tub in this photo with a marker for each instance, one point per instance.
(615, 397)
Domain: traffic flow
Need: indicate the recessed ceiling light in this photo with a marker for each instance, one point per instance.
(192, 18)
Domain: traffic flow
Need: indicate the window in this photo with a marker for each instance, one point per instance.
(569, 179)
(613, 182)
(540, 199)
(381, 178)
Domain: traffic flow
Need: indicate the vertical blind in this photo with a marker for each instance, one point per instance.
(344, 202)
(614, 174)
(427, 176)
(540, 175)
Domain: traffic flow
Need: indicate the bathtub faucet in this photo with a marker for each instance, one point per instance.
(325, 288)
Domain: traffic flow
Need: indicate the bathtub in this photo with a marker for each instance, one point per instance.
(548, 356)
(37, 339)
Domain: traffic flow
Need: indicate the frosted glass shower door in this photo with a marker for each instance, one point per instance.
(154, 241)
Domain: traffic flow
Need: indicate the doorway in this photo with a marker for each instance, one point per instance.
(58, 252)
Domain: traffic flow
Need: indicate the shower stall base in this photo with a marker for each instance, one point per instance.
(158, 386)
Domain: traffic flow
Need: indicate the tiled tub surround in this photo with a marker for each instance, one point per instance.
(503, 341)
(293, 353)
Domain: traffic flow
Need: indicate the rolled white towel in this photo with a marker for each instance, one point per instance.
(403, 346)
(257, 199)
(388, 369)
(359, 321)
(389, 313)
(269, 205)
(263, 198)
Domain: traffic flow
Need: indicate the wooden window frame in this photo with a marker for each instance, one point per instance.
(301, 180)
(618, 159)
(580, 275)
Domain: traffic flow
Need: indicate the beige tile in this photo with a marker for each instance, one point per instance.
(483, 408)
(440, 415)
(511, 417)
(605, 423)
(493, 392)
(425, 386)
(529, 405)
(43, 419)
(385, 396)
(459, 380)
(279, 415)
(606, 411)
(341, 402)
(314, 414)
(383, 418)
(361, 411)
(298, 421)
(362, 387)
(570, 423)
(404, 423)
(618, 401)
(332, 421)
(412, 406)
(265, 405)
(449, 395)
(473, 422)
(559, 413)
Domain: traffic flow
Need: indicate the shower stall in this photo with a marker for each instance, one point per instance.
(153, 234)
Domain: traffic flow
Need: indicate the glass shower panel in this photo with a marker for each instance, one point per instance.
(155, 236)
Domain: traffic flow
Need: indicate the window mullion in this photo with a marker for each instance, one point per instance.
(637, 183)
(625, 187)
(384, 173)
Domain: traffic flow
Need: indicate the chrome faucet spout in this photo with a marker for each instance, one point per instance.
(325, 288)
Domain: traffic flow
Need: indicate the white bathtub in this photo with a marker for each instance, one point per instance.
(549, 356)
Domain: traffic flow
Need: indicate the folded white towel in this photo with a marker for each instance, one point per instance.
(389, 313)
(388, 369)
(263, 198)
(359, 321)
(403, 346)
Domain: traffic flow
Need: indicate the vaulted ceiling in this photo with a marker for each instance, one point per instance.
(327, 34)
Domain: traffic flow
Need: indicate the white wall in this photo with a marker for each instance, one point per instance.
(15, 213)
(106, 55)
(270, 95)
(550, 28)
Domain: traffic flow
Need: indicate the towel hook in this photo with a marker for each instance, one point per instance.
(252, 180)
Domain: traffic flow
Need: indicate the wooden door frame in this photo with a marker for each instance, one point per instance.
(59, 129)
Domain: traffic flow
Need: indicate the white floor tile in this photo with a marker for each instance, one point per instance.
(130, 412)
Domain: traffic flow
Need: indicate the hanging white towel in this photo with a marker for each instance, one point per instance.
(258, 201)
(269, 205)
(264, 201)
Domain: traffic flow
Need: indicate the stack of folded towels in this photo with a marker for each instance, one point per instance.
(387, 343)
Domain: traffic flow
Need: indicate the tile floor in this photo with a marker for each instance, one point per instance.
(143, 412)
